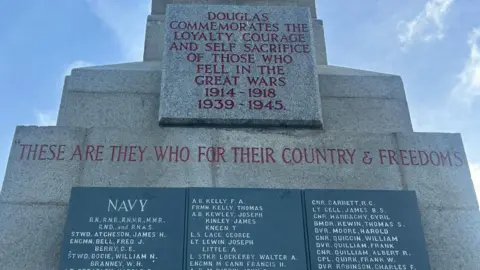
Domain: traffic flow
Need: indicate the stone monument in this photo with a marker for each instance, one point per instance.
(236, 98)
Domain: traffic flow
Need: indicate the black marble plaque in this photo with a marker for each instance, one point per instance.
(245, 229)
(359, 229)
(242, 229)
(124, 228)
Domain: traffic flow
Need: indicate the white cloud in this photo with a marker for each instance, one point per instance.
(46, 118)
(49, 118)
(75, 64)
(427, 25)
(127, 20)
(468, 84)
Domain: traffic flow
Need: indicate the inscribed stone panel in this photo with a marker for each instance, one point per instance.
(239, 65)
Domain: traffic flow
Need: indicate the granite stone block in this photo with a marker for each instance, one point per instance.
(41, 174)
(310, 4)
(63, 99)
(87, 110)
(453, 238)
(184, 2)
(137, 77)
(154, 38)
(214, 2)
(160, 6)
(366, 115)
(251, 2)
(292, 3)
(342, 82)
(148, 169)
(352, 173)
(215, 89)
(448, 184)
(320, 48)
(338, 70)
(30, 236)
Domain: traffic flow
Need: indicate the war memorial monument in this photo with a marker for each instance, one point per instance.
(234, 145)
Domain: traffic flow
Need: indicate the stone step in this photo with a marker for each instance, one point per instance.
(128, 95)
(145, 77)
(136, 77)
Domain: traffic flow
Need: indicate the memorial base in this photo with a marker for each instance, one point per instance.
(46, 162)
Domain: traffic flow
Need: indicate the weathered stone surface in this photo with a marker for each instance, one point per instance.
(366, 115)
(344, 168)
(184, 99)
(30, 236)
(252, 2)
(108, 110)
(308, 3)
(34, 180)
(320, 48)
(112, 95)
(447, 185)
(453, 238)
(340, 114)
(32, 177)
(147, 171)
(345, 82)
(325, 174)
(160, 6)
(184, 2)
(211, 2)
(136, 77)
(154, 38)
(362, 114)
(293, 3)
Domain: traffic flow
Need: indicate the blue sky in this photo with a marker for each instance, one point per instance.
(434, 45)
